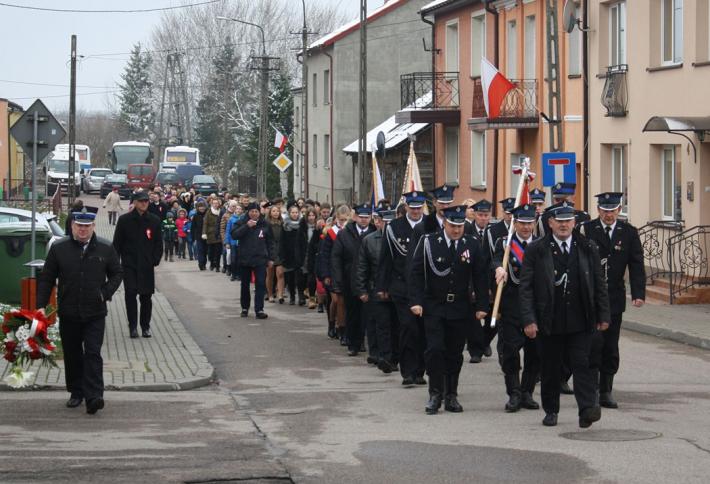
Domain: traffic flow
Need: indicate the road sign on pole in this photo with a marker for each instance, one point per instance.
(559, 167)
(282, 162)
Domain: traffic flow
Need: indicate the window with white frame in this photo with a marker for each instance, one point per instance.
(530, 61)
(619, 174)
(478, 42)
(326, 87)
(574, 48)
(617, 34)
(478, 159)
(511, 66)
(326, 151)
(452, 154)
(672, 31)
(452, 46)
(668, 182)
(315, 89)
(315, 151)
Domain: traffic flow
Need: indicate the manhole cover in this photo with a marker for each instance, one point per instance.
(609, 435)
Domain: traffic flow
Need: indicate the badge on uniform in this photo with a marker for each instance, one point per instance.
(149, 234)
(618, 245)
(465, 256)
(261, 234)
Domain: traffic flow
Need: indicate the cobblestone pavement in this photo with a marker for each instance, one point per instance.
(170, 360)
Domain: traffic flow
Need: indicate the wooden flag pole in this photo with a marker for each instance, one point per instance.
(525, 165)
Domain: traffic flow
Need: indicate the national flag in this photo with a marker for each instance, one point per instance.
(495, 88)
(412, 178)
(281, 141)
(378, 188)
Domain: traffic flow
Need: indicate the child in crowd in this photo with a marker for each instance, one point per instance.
(169, 235)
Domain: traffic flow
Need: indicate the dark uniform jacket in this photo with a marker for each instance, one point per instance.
(509, 302)
(392, 277)
(622, 251)
(87, 278)
(139, 242)
(159, 209)
(256, 244)
(344, 256)
(448, 295)
(368, 264)
(428, 225)
(494, 232)
(537, 284)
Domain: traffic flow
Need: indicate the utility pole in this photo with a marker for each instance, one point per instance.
(178, 107)
(553, 77)
(304, 104)
(72, 127)
(362, 148)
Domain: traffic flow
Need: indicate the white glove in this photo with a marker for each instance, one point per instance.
(204, 236)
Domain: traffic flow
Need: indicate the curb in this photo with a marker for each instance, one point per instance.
(677, 336)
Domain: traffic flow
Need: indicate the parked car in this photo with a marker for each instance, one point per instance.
(140, 176)
(116, 179)
(47, 220)
(93, 179)
(163, 178)
(204, 184)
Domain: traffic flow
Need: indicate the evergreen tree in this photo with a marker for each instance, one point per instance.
(281, 118)
(136, 114)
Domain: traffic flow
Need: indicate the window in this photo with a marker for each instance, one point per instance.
(672, 28)
(326, 151)
(574, 48)
(530, 47)
(619, 175)
(511, 70)
(478, 43)
(617, 34)
(315, 151)
(452, 154)
(478, 159)
(315, 89)
(297, 118)
(670, 189)
(326, 87)
(452, 47)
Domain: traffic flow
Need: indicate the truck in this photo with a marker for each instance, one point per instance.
(57, 173)
(175, 156)
(124, 153)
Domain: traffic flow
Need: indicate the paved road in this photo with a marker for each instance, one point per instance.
(332, 418)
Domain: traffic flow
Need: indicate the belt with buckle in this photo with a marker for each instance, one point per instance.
(450, 297)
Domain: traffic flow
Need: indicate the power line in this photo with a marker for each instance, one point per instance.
(145, 10)
(64, 95)
(27, 83)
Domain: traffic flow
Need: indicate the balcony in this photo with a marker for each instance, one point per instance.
(429, 98)
(615, 96)
(518, 110)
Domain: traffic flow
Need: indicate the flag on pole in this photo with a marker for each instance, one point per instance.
(378, 188)
(412, 179)
(495, 88)
(281, 141)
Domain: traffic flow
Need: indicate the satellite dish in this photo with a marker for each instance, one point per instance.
(380, 145)
(569, 17)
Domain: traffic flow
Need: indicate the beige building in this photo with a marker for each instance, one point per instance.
(12, 160)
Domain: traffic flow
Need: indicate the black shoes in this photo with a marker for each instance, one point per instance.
(475, 359)
(74, 402)
(233, 278)
(385, 366)
(244, 313)
(565, 388)
(588, 416)
(419, 380)
(291, 302)
(451, 404)
(407, 381)
(352, 352)
(332, 334)
(434, 404)
(224, 269)
(487, 352)
(134, 333)
(371, 360)
(320, 308)
(147, 333)
(261, 315)
(301, 302)
(281, 300)
(526, 401)
(513, 404)
(550, 420)
(607, 401)
(94, 405)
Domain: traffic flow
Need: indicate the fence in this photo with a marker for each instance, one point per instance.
(520, 103)
(688, 256)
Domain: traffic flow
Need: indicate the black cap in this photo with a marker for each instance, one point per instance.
(253, 206)
(363, 210)
(564, 211)
(609, 200)
(86, 216)
(444, 193)
(563, 189)
(508, 204)
(482, 206)
(456, 214)
(141, 195)
(524, 213)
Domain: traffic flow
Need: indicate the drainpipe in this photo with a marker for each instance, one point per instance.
(433, 74)
(585, 115)
(330, 128)
(493, 11)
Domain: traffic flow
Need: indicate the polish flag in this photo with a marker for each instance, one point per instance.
(495, 88)
(281, 141)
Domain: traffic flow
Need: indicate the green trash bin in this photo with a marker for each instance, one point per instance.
(15, 252)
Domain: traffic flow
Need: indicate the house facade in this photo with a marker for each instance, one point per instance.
(12, 158)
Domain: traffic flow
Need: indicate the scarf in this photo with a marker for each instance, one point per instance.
(291, 225)
(215, 211)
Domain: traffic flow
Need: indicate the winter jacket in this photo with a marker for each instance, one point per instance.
(139, 242)
(210, 227)
(368, 262)
(159, 209)
(256, 244)
(288, 247)
(112, 202)
(276, 231)
(312, 251)
(231, 223)
(344, 256)
(169, 230)
(182, 225)
(324, 268)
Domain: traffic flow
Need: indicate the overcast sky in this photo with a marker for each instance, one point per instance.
(36, 45)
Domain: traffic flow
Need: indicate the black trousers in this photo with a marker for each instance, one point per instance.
(169, 247)
(83, 365)
(512, 339)
(605, 348)
(445, 339)
(552, 350)
(132, 309)
(475, 338)
(296, 284)
(214, 254)
(259, 287)
(112, 217)
(412, 340)
(385, 327)
(355, 327)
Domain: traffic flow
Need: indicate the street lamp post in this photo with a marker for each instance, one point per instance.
(304, 103)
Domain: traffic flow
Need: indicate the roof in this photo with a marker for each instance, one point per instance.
(351, 27)
(678, 123)
(437, 4)
(395, 134)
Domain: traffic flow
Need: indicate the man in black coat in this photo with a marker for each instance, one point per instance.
(434, 222)
(511, 338)
(619, 249)
(444, 267)
(139, 242)
(256, 253)
(563, 300)
(392, 283)
(343, 264)
(561, 193)
(157, 206)
(89, 273)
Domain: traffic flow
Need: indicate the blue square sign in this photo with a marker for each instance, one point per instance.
(559, 167)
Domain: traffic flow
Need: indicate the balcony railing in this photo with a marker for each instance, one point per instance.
(615, 96)
(519, 105)
(431, 91)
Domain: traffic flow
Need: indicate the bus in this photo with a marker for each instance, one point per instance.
(175, 156)
(124, 153)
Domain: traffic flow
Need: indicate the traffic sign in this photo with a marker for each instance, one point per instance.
(282, 162)
(49, 131)
(558, 168)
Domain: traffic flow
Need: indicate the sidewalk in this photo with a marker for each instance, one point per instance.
(170, 360)
(683, 323)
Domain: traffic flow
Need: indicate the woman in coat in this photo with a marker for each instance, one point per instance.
(275, 273)
(308, 239)
(290, 255)
(211, 235)
(112, 202)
